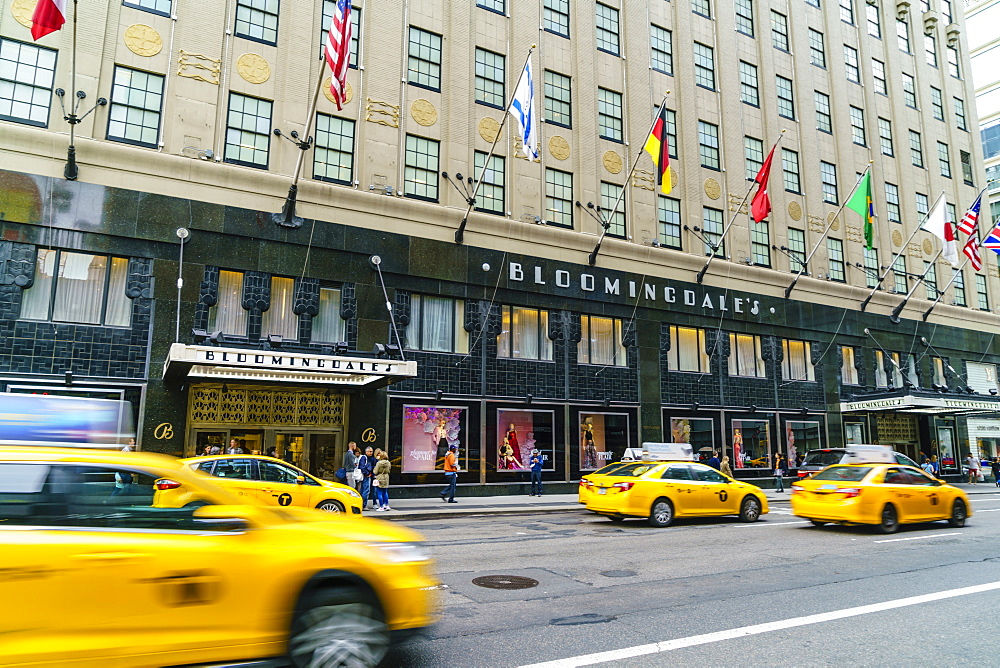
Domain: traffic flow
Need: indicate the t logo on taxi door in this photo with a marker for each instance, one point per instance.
(284, 499)
(723, 494)
(189, 588)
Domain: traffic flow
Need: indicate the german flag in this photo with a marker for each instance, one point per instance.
(657, 147)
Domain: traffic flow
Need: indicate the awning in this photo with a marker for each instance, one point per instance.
(276, 366)
(936, 404)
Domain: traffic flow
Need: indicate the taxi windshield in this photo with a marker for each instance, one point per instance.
(843, 473)
(605, 469)
(631, 470)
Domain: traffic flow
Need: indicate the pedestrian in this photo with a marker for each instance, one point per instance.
(973, 465)
(536, 473)
(244, 450)
(367, 466)
(714, 462)
(216, 450)
(273, 452)
(123, 478)
(381, 482)
(995, 469)
(206, 451)
(450, 474)
(725, 467)
(234, 447)
(779, 472)
(936, 466)
(350, 464)
(927, 466)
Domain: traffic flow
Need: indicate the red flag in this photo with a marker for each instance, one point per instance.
(338, 49)
(760, 206)
(971, 250)
(49, 16)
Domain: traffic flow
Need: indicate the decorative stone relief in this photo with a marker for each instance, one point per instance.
(348, 301)
(629, 338)
(348, 91)
(643, 179)
(401, 308)
(139, 282)
(736, 200)
(22, 10)
(915, 250)
(794, 210)
(489, 128)
(306, 300)
(816, 224)
(928, 247)
(17, 264)
(199, 67)
(253, 68)
(423, 112)
(897, 238)
(256, 291)
(382, 113)
(712, 188)
(612, 162)
(143, 40)
(557, 325)
(854, 233)
(833, 221)
(558, 147)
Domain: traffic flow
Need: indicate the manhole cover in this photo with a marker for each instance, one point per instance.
(505, 582)
(618, 574)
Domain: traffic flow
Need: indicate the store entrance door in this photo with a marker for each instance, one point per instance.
(319, 453)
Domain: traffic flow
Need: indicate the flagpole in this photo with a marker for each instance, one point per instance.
(286, 217)
(471, 199)
(894, 316)
(606, 220)
(72, 171)
(788, 290)
(944, 289)
(718, 245)
(895, 257)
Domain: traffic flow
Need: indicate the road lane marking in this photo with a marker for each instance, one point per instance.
(989, 510)
(936, 535)
(768, 524)
(756, 629)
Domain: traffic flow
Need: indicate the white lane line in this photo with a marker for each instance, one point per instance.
(988, 510)
(756, 629)
(767, 524)
(936, 535)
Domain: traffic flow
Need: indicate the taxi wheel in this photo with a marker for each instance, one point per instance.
(331, 506)
(958, 514)
(662, 513)
(890, 520)
(616, 519)
(338, 627)
(750, 509)
(818, 523)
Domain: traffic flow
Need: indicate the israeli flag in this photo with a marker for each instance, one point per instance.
(522, 108)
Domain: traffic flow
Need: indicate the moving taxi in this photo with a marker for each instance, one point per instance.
(97, 573)
(270, 482)
(668, 485)
(586, 482)
(872, 488)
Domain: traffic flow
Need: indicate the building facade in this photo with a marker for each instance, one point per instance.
(513, 339)
(984, 53)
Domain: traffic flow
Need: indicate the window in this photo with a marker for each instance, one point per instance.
(903, 36)
(835, 249)
(921, 203)
(437, 324)
(817, 49)
(892, 202)
(930, 280)
(78, 288)
(847, 11)
(851, 64)
(671, 130)
(779, 30)
(490, 78)
(749, 90)
(797, 248)
(26, 75)
(885, 136)
(600, 341)
(790, 168)
(939, 375)
(946, 10)
(558, 198)
(881, 379)
(874, 22)
(524, 334)
(872, 269)
(497, 6)
(786, 97)
(981, 296)
(953, 68)
(421, 173)
(136, 100)
(858, 126)
(828, 174)
(609, 114)
(333, 157)
(279, 318)
(248, 131)
(661, 49)
(328, 9)
(848, 372)
(930, 50)
(744, 17)
(687, 350)
(228, 314)
(558, 99)
(491, 192)
(753, 153)
(327, 325)
(711, 226)
(959, 286)
(814, 3)
(824, 122)
(745, 358)
(702, 7)
(610, 193)
(156, 6)
(878, 76)
(257, 20)
(669, 216)
(900, 279)
(937, 103)
(966, 159)
(607, 29)
(424, 60)
(556, 17)
(944, 161)
(960, 120)
(708, 143)
(797, 364)
(704, 66)
(760, 244)
(916, 149)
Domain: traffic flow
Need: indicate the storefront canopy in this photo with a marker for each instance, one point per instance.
(931, 404)
(276, 366)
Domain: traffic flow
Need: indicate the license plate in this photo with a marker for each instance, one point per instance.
(602, 490)
(828, 488)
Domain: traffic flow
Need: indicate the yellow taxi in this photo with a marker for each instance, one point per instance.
(270, 482)
(881, 494)
(660, 491)
(587, 481)
(95, 572)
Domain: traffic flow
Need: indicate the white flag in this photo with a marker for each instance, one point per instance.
(522, 108)
(937, 223)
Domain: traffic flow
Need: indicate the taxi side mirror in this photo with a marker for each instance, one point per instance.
(301, 480)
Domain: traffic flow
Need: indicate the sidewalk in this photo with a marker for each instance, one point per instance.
(434, 508)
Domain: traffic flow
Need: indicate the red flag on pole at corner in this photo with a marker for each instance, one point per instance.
(49, 16)
(760, 206)
(337, 49)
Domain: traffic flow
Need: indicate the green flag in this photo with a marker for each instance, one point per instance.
(861, 203)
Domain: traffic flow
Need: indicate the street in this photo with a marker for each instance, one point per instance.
(618, 593)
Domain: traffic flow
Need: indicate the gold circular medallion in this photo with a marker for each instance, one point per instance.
(348, 91)
(928, 247)
(253, 68)
(897, 238)
(489, 128)
(673, 176)
(558, 147)
(612, 162)
(423, 112)
(794, 210)
(22, 11)
(143, 40)
(712, 188)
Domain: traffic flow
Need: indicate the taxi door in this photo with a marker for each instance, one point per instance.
(236, 475)
(897, 489)
(278, 486)
(927, 502)
(680, 487)
(715, 497)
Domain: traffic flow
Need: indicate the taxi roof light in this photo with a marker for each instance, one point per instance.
(164, 483)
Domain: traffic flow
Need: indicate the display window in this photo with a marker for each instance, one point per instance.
(519, 432)
(603, 439)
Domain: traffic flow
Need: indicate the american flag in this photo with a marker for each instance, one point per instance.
(971, 250)
(337, 50)
(968, 222)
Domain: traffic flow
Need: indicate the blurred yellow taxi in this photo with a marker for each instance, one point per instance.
(881, 494)
(96, 573)
(587, 481)
(270, 482)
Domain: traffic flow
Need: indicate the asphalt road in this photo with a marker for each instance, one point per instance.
(698, 592)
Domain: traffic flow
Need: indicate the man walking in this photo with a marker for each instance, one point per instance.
(350, 463)
(450, 474)
(714, 461)
(367, 466)
(995, 469)
(536, 473)
(973, 465)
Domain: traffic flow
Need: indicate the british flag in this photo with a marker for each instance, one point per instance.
(992, 240)
(337, 50)
(971, 217)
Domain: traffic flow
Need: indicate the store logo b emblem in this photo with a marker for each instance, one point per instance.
(368, 435)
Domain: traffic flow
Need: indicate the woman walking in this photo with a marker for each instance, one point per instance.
(381, 475)
(725, 467)
(779, 472)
